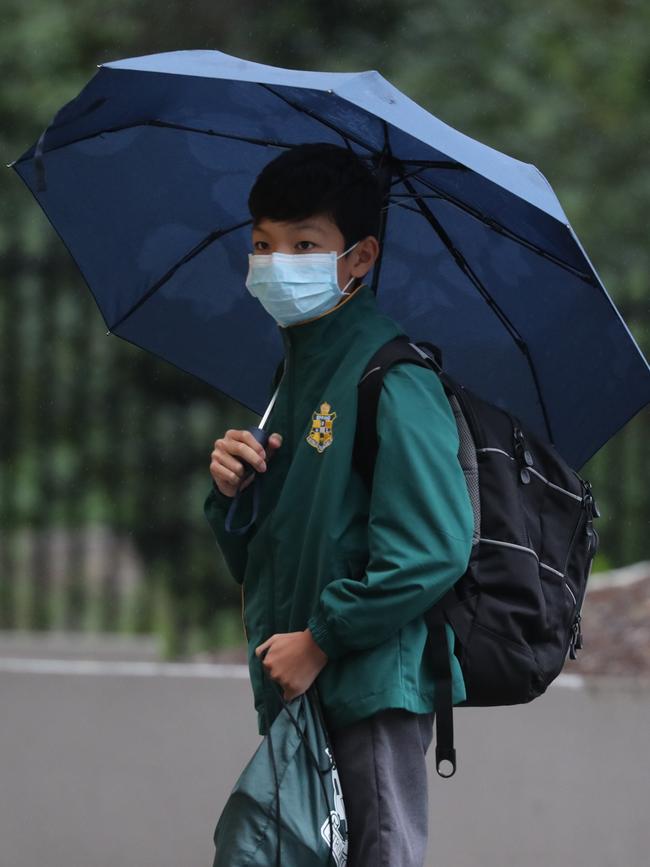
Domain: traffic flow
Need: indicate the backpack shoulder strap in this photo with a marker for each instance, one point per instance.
(397, 350)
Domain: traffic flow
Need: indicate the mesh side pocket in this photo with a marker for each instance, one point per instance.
(469, 464)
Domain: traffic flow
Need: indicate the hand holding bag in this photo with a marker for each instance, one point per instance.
(286, 807)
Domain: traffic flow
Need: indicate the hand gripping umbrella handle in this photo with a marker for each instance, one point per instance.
(262, 438)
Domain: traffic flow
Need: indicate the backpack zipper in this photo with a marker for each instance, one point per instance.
(575, 601)
(534, 472)
(589, 503)
(573, 536)
(524, 459)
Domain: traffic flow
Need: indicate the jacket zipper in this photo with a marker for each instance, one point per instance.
(243, 621)
(243, 605)
(287, 372)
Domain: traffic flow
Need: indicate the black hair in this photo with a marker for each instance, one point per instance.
(320, 178)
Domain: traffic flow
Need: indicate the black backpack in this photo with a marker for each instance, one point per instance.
(515, 612)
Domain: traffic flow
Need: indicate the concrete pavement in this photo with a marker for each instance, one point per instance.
(120, 768)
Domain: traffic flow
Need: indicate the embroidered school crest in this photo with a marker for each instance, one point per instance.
(322, 423)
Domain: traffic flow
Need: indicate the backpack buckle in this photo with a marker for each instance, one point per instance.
(445, 755)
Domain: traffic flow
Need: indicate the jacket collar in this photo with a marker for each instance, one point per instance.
(332, 327)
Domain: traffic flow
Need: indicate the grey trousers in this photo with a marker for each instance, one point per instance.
(381, 765)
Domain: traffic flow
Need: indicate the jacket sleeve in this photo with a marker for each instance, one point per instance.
(233, 547)
(420, 522)
(215, 508)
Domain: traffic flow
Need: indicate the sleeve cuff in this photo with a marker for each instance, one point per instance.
(323, 637)
(216, 504)
(219, 496)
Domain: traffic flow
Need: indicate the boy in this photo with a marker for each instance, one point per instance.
(334, 580)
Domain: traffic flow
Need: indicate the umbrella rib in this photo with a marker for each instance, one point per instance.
(383, 174)
(297, 107)
(489, 221)
(231, 136)
(209, 239)
(435, 164)
(167, 125)
(466, 268)
(406, 208)
(508, 233)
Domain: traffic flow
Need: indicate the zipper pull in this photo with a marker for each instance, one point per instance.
(523, 455)
(592, 510)
(576, 637)
(592, 540)
(572, 643)
(578, 632)
(590, 500)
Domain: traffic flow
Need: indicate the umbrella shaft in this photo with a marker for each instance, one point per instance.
(269, 408)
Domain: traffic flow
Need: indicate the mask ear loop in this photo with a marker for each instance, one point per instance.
(344, 253)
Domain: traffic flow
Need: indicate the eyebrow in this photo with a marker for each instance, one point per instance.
(313, 226)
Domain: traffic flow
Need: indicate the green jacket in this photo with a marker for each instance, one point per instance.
(358, 570)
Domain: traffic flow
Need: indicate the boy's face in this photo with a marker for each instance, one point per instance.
(315, 234)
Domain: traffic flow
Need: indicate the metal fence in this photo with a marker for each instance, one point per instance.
(104, 469)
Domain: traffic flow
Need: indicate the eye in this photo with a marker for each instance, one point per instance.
(311, 244)
(256, 245)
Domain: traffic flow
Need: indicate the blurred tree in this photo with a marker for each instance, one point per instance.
(98, 430)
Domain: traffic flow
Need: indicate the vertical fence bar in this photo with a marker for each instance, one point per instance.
(10, 313)
(75, 584)
(65, 374)
(639, 464)
(109, 408)
(38, 340)
(139, 498)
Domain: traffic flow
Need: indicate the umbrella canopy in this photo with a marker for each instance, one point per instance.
(145, 176)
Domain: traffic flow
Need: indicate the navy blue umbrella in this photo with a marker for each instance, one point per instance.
(145, 176)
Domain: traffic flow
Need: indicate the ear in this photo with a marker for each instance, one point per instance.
(364, 256)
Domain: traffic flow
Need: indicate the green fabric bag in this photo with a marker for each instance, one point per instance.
(286, 808)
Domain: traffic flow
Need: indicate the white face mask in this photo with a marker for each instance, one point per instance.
(293, 287)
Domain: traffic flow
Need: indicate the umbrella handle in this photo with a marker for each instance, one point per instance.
(262, 438)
